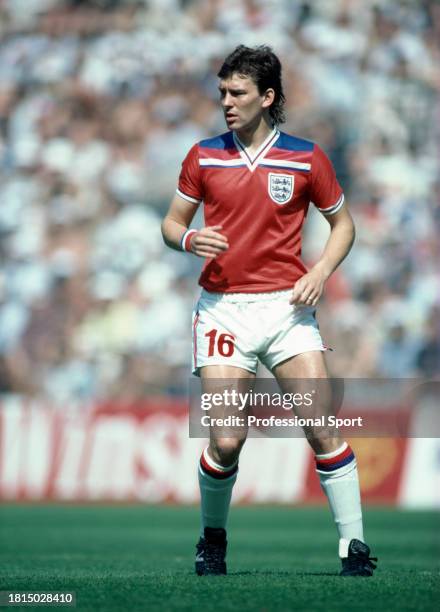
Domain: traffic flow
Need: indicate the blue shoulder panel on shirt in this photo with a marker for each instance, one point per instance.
(292, 143)
(224, 141)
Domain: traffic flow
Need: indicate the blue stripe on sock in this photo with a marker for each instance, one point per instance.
(325, 467)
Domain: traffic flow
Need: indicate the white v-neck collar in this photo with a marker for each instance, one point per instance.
(259, 154)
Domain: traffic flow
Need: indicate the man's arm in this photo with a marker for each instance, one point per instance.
(309, 288)
(206, 242)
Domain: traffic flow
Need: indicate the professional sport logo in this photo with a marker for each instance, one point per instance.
(280, 187)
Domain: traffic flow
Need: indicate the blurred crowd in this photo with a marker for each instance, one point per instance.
(99, 103)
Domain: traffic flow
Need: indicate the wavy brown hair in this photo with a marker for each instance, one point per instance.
(264, 68)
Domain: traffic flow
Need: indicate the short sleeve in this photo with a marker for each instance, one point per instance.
(325, 191)
(190, 186)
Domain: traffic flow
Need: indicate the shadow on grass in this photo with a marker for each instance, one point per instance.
(281, 574)
(317, 574)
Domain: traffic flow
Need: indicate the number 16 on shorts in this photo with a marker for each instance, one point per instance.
(213, 346)
(221, 344)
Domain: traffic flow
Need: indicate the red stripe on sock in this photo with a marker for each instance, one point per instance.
(336, 459)
(212, 471)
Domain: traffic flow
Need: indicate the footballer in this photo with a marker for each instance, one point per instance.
(258, 299)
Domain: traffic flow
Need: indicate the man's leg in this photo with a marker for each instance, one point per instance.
(335, 460)
(218, 469)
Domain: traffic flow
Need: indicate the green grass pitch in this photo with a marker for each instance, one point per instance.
(141, 558)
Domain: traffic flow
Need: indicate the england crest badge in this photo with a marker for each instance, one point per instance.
(280, 187)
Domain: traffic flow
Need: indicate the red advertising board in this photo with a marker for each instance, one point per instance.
(144, 453)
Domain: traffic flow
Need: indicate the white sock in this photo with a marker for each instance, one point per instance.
(340, 482)
(216, 483)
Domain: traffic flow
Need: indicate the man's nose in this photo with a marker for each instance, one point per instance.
(227, 100)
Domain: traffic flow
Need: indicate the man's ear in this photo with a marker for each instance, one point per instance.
(269, 97)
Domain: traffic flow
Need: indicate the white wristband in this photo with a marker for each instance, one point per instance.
(185, 242)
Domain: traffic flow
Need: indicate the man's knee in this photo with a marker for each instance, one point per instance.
(225, 451)
(322, 442)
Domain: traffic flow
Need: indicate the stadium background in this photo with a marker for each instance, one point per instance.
(99, 103)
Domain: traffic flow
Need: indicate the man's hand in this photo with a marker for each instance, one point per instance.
(308, 289)
(209, 242)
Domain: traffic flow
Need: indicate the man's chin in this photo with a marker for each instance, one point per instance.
(233, 124)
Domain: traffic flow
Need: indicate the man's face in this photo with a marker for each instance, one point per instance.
(241, 101)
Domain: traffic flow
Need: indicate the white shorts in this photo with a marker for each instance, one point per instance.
(237, 329)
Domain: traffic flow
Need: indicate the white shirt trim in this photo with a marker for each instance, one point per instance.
(212, 161)
(333, 209)
(262, 149)
(282, 163)
(187, 197)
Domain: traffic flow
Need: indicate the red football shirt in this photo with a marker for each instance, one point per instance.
(261, 203)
